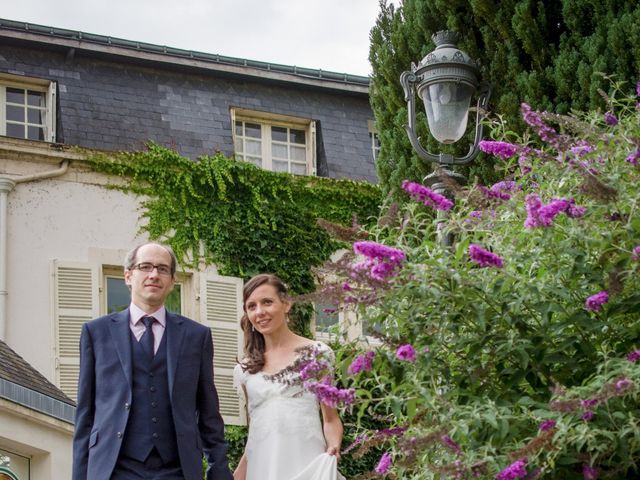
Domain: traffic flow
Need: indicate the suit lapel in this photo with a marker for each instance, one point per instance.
(121, 338)
(175, 335)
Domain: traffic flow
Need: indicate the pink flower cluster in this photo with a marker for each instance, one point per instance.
(406, 353)
(500, 190)
(610, 119)
(500, 149)
(595, 302)
(314, 369)
(483, 257)
(448, 442)
(589, 473)
(545, 132)
(362, 363)
(547, 425)
(381, 262)
(634, 157)
(634, 356)
(425, 195)
(514, 471)
(384, 464)
(635, 254)
(541, 215)
(329, 394)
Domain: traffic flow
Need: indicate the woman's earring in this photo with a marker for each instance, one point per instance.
(253, 328)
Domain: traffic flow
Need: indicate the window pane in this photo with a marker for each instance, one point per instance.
(279, 134)
(326, 316)
(279, 151)
(237, 145)
(15, 95)
(254, 147)
(257, 161)
(14, 130)
(174, 301)
(118, 295)
(299, 168)
(298, 153)
(34, 115)
(280, 166)
(238, 128)
(35, 133)
(15, 114)
(252, 130)
(297, 136)
(35, 98)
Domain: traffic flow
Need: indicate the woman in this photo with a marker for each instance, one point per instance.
(286, 440)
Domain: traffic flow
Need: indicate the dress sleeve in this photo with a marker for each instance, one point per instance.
(239, 378)
(326, 352)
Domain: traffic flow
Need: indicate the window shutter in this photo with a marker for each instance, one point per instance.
(222, 309)
(311, 150)
(50, 123)
(75, 300)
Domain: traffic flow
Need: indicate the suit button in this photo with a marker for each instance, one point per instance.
(154, 419)
(151, 374)
(119, 434)
(127, 406)
(154, 404)
(155, 436)
(152, 389)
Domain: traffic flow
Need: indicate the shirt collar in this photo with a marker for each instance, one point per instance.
(136, 313)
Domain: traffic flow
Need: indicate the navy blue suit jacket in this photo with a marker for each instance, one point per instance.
(104, 397)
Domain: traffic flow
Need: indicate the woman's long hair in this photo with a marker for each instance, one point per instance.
(253, 340)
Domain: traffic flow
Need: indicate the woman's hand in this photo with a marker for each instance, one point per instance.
(335, 451)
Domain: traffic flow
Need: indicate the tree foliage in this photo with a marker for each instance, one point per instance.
(547, 53)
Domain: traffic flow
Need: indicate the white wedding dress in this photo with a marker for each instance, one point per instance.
(285, 432)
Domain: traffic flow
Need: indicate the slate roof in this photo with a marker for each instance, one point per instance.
(14, 369)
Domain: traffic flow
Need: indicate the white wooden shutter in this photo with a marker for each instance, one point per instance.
(50, 120)
(221, 312)
(75, 301)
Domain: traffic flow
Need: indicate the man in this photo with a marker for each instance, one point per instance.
(147, 405)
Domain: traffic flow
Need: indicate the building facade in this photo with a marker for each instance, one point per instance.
(64, 234)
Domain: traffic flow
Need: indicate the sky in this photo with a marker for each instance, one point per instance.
(332, 35)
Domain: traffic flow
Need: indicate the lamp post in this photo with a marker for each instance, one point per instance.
(446, 80)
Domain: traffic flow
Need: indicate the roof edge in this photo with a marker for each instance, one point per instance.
(185, 58)
(37, 401)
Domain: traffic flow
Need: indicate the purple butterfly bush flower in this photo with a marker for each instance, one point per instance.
(547, 425)
(623, 384)
(634, 157)
(503, 150)
(384, 464)
(491, 193)
(635, 254)
(514, 471)
(581, 148)
(425, 195)
(610, 119)
(313, 369)
(406, 353)
(483, 257)
(448, 442)
(362, 363)
(542, 215)
(545, 132)
(381, 260)
(595, 302)
(329, 394)
(587, 416)
(589, 473)
(634, 356)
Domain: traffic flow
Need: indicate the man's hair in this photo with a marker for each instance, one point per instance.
(130, 260)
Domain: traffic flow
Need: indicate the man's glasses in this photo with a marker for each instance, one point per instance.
(148, 268)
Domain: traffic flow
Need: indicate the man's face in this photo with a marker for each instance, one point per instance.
(149, 290)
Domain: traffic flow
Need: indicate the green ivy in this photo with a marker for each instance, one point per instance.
(241, 218)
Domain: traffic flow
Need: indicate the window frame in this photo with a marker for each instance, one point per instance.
(34, 84)
(267, 121)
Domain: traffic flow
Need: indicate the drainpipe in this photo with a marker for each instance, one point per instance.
(6, 185)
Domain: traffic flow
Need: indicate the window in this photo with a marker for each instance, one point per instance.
(26, 108)
(13, 466)
(118, 296)
(274, 142)
(375, 140)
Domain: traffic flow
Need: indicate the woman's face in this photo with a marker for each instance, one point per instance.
(266, 311)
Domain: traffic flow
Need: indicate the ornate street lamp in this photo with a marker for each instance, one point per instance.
(446, 80)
